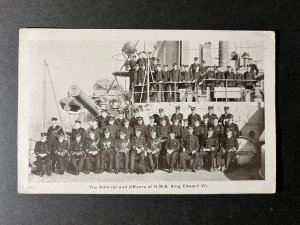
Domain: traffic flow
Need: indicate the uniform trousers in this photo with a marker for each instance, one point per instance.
(187, 155)
(103, 155)
(171, 159)
(62, 161)
(43, 163)
(88, 161)
(134, 155)
(150, 157)
(77, 165)
(119, 156)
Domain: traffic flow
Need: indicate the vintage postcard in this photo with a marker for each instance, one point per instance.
(146, 112)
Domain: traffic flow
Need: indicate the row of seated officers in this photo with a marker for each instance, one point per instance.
(185, 139)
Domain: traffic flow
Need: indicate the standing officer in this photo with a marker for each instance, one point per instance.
(175, 76)
(211, 116)
(197, 75)
(197, 130)
(138, 146)
(253, 67)
(92, 152)
(161, 115)
(193, 116)
(209, 148)
(190, 148)
(42, 150)
(210, 82)
(204, 129)
(187, 74)
(194, 65)
(106, 146)
(126, 129)
(177, 115)
(163, 130)
(158, 77)
(172, 148)
(166, 85)
(239, 78)
(232, 126)
(94, 128)
(77, 150)
(141, 126)
(103, 119)
(78, 130)
(135, 82)
(154, 147)
(230, 77)
(224, 117)
(122, 149)
(249, 78)
(229, 147)
(220, 78)
(61, 151)
(151, 127)
(133, 119)
(112, 127)
(177, 129)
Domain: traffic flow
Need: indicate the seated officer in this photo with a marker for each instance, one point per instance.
(42, 151)
(172, 149)
(177, 129)
(122, 149)
(77, 149)
(126, 129)
(106, 146)
(233, 126)
(138, 146)
(112, 127)
(218, 130)
(209, 147)
(61, 151)
(193, 116)
(190, 148)
(224, 117)
(211, 116)
(140, 125)
(177, 115)
(92, 151)
(197, 129)
(154, 147)
(229, 147)
(163, 131)
(151, 127)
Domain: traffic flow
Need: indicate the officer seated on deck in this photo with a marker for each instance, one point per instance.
(42, 151)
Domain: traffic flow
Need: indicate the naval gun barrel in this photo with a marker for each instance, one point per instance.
(85, 100)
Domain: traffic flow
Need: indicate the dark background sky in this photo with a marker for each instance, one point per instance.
(280, 208)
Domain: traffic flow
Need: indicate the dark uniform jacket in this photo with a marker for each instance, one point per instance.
(127, 130)
(179, 116)
(220, 78)
(175, 75)
(154, 144)
(230, 75)
(188, 76)
(92, 145)
(209, 75)
(211, 118)
(60, 146)
(157, 120)
(210, 142)
(235, 129)
(223, 118)
(102, 122)
(193, 67)
(190, 143)
(229, 143)
(218, 131)
(239, 80)
(173, 144)
(178, 131)
(151, 128)
(197, 76)
(120, 122)
(122, 145)
(192, 117)
(143, 129)
(77, 147)
(197, 131)
(253, 67)
(158, 76)
(54, 132)
(135, 77)
(113, 130)
(42, 147)
(166, 76)
(98, 131)
(80, 131)
(163, 131)
(138, 142)
(142, 74)
(249, 76)
(185, 131)
(203, 131)
(133, 121)
(107, 144)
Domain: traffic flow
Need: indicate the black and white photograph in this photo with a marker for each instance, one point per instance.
(146, 112)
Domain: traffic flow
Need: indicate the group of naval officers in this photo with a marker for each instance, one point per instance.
(208, 143)
(167, 80)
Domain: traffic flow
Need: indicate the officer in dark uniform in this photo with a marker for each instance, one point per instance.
(220, 78)
(92, 151)
(172, 150)
(224, 117)
(239, 78)
(211, 116)
(103, 119)
(161, 115)
(42, 150)
(153, 148)
(185, 127)
(106, 146)
(253, 67)
(177, 115)
(209, 148)
(133, 119)
(126, 129)
(197, 129)
(194, 65)
(77, 150)
(232, 126)
(230, 76)
(78, 130)
(121, 117)
(218, 130)
(151, 127)
(166, 73)
(135, 82)
(138, 147)
(61, 151)
(175, 76)
(182, 81)
(193, 116)
(190, 148)
(197, 75)
(141, 60)
(177, 129)
(203, 129)
(158, 77)
(112, 127)
(141, 126)
(229, 147)
(163, 130)
(94, 128)
(122, 149)
(249, 75)
(187, 75)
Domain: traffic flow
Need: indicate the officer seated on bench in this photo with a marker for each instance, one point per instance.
(138, 145)
(172, 148)
(122, 149)
(77, 150)
(154, 147)
(42, 151)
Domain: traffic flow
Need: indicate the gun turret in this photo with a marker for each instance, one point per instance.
(85, 100)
